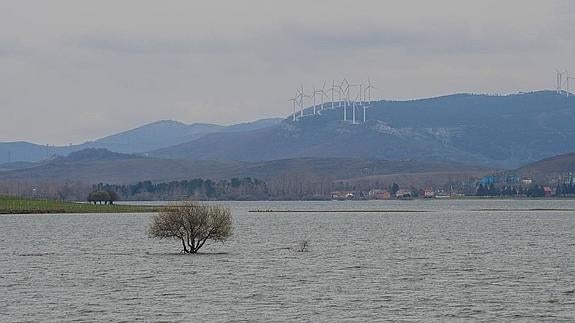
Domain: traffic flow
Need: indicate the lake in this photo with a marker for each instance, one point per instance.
(460, 260)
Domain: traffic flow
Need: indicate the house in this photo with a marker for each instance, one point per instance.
(404, 194)
(379, 195)
(427, 193)
(342, 195)
(526, 181)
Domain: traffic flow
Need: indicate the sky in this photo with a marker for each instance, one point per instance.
(72, 71)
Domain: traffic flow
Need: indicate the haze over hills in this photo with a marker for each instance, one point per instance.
(502, 131)
(139, 140)
(495, 131)
(98, 165)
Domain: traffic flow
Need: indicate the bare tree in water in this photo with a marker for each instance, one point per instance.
(193, 223)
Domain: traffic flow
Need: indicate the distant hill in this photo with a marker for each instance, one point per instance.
(91, 154)
(96, 165)
(16, 165)
(502, 131)
(496, 131)
(254, 125)
(146, 138)
(21, 151)
(549, 168)
(153, 136)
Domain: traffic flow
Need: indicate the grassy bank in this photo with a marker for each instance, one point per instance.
(17, 205)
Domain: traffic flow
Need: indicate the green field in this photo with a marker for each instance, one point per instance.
(17, 205)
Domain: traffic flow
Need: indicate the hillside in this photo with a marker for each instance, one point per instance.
(152, 136)
(502, 131)
(549, 168)
(146, 138)
(94, 166)
(495, 131)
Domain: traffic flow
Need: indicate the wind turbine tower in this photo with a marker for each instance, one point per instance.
(353, 111)
(345, 93)
(322, 95)
(294, 100)
(313, 93)
(367, 95)
(560, 80)
(568, 79)
(301, 102)
(332, 94)
(566, 82)
(368, 91)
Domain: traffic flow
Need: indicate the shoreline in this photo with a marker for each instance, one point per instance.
(23, 206)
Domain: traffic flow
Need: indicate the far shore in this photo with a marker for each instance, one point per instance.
(16, 205)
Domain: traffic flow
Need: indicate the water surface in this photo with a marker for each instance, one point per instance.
(454, 262)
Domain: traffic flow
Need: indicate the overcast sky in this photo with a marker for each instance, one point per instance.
(72, 71)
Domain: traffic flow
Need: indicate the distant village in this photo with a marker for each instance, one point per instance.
(502, 185)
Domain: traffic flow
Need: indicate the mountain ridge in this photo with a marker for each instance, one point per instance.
(139, 140)
(96, 165)
(500, 131)
(503, 131)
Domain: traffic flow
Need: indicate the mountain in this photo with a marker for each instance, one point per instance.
(152, 136)
(549, 168)
(98, 165)
(16, 165)
(254, 125)
(501, 131)
(168, 133)
(21, 151)
(146, 138)
(496, 131)
(91, 154)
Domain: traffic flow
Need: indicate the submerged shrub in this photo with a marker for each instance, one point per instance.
(193, 223)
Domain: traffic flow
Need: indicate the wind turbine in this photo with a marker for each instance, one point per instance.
(340, 93)
(368, 91)
(294, 100)
(566, 82)
(359, 93)
(301, 96)
(353, 112)
(367, 94)
(347, 101)
(568, 79)
(346, 96)
(332, 94)
(322, 93)
(560, 80)
(355, 101)
(314, 92)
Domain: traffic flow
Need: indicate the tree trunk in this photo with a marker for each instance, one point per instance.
(200, 244)
(184, 244)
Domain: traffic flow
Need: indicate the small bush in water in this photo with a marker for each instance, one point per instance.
(193, 223)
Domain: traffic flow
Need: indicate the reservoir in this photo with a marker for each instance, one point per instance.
(423, 260)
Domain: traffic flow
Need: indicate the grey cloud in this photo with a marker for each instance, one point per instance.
(144, 45)
(430, 40)
(10, 47)
(340, 38)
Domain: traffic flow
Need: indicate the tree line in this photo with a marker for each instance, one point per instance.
(197, 189)
(535, 190)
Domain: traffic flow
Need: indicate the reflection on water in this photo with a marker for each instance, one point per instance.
(452, 263)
